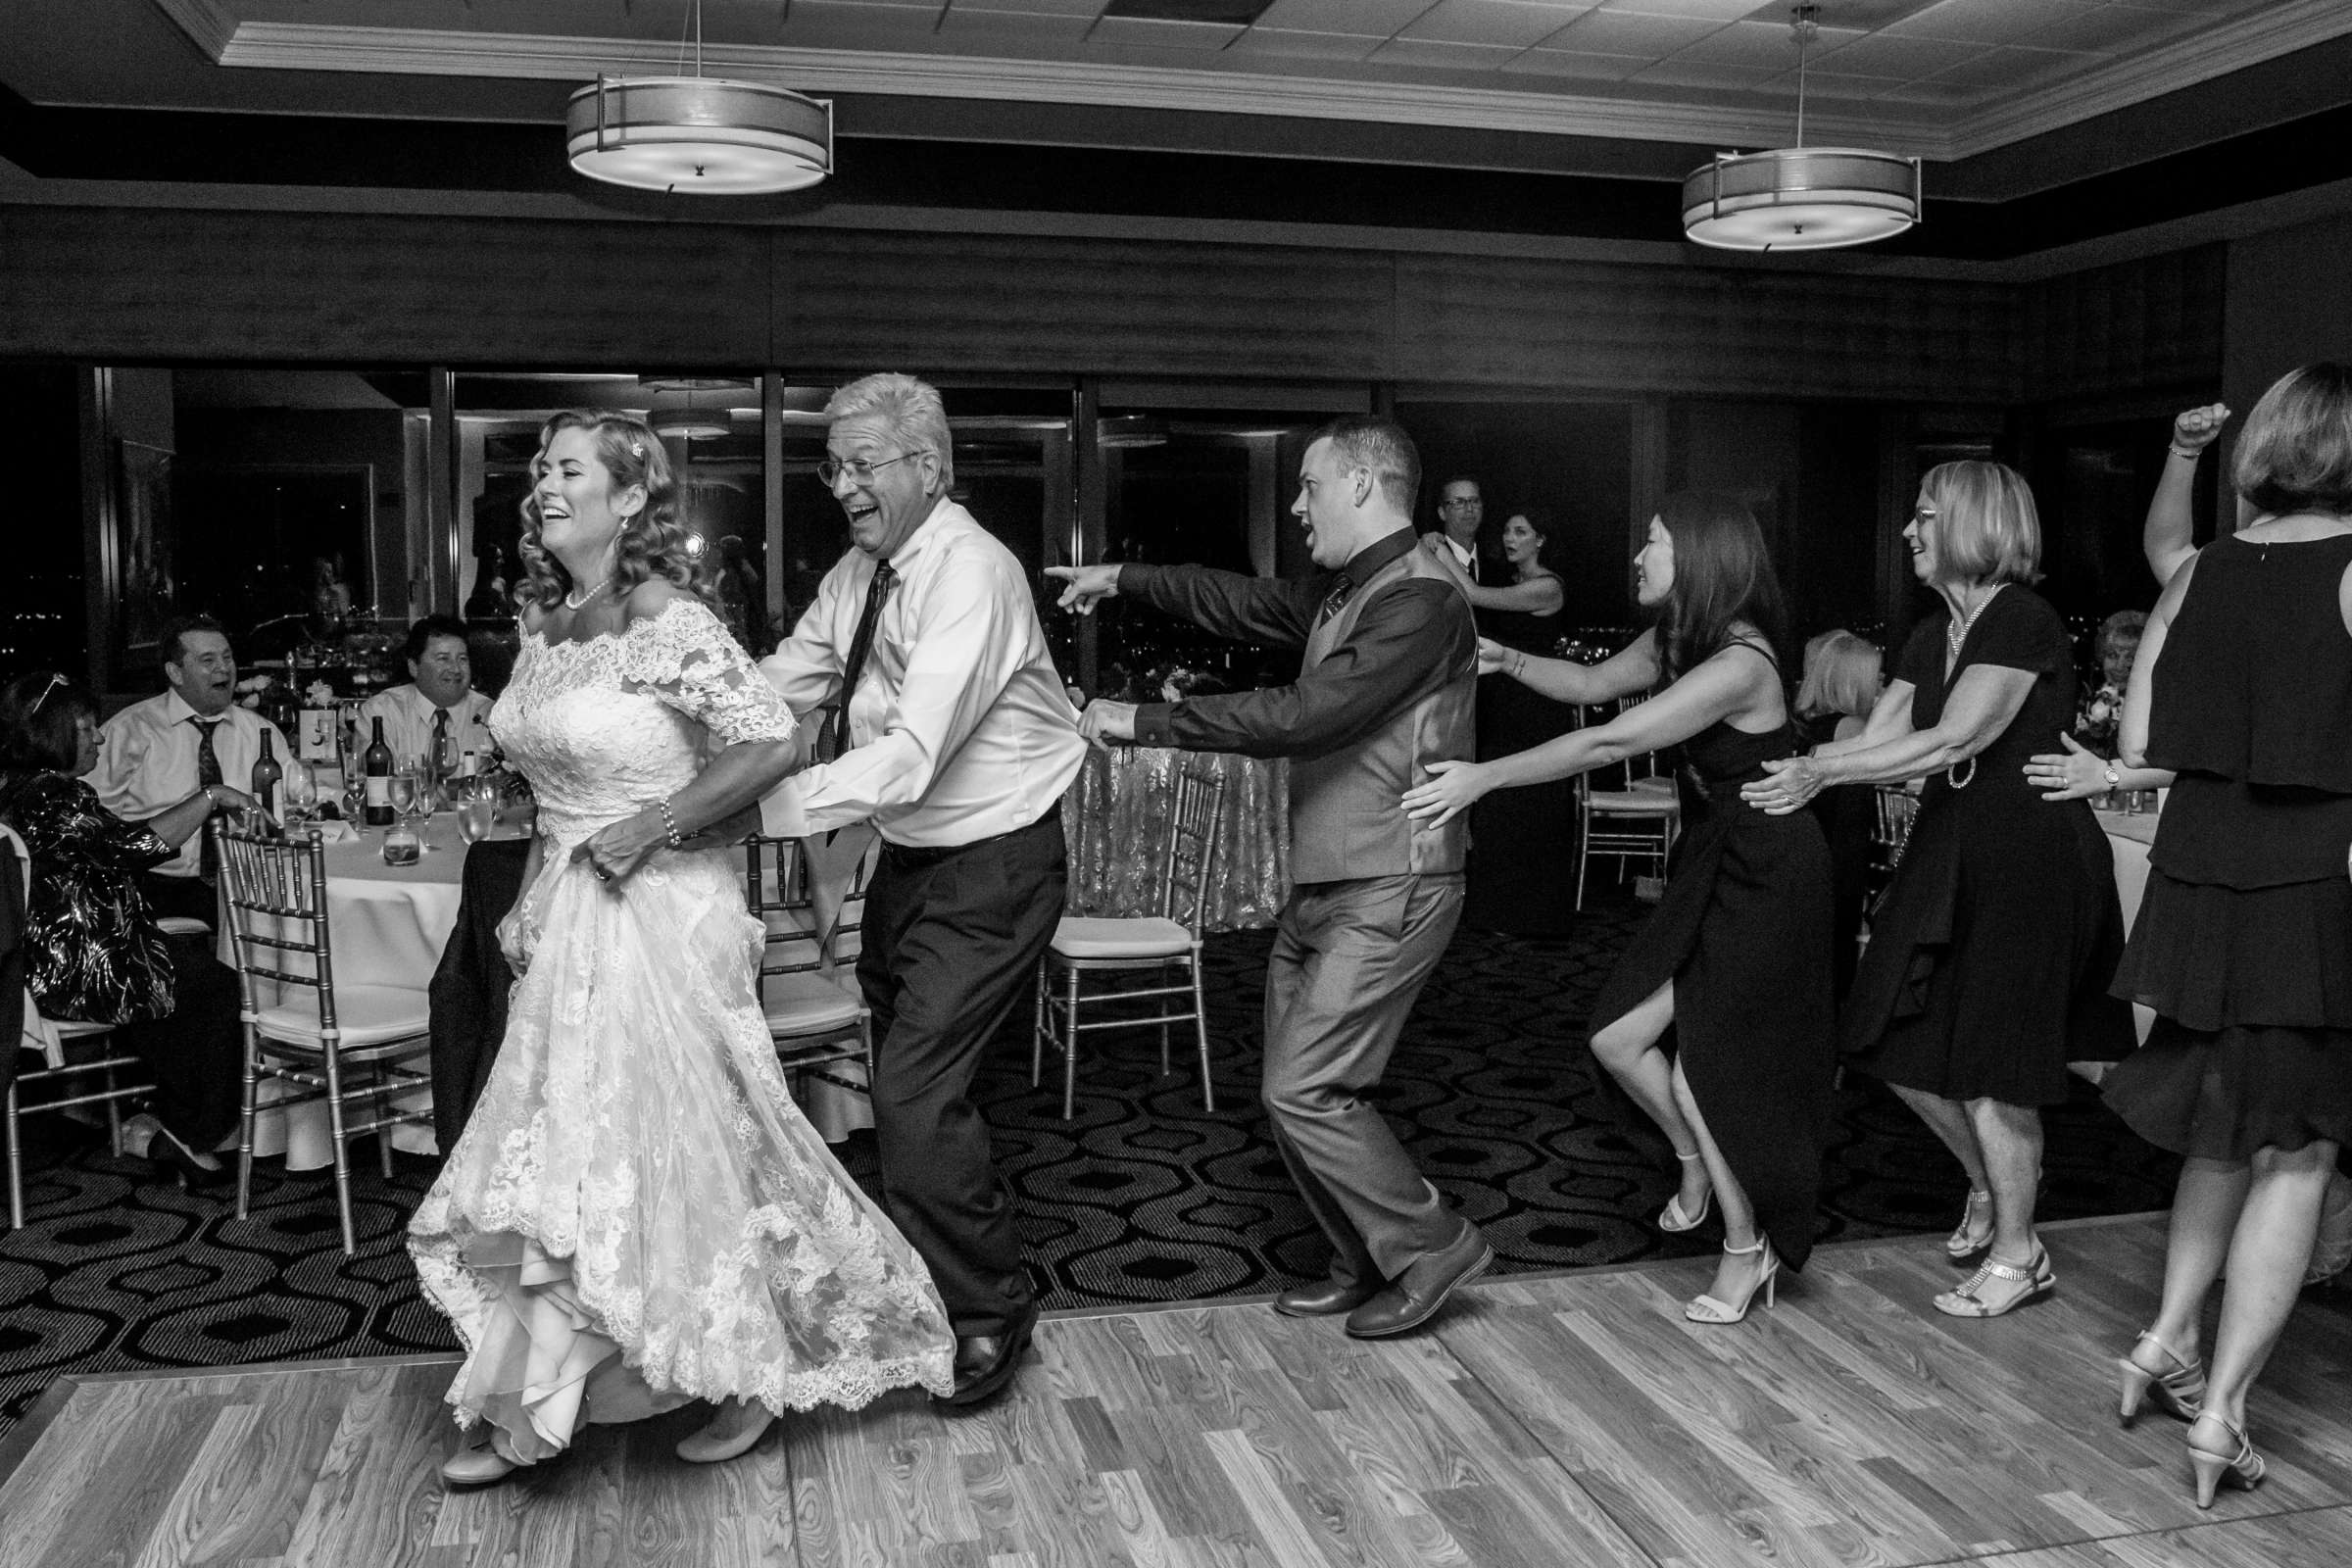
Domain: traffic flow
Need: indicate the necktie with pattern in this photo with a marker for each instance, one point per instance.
(836, 738)
(208, 773)
(1343, 589)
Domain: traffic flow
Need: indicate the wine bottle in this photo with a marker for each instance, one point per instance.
(378, 766)
(266, 774)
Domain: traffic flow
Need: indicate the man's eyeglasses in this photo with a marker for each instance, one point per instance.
(859, 470)
(1462, 501)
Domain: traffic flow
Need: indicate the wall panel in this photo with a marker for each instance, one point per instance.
(141, 284)
(1018, 303)
(2154, 323)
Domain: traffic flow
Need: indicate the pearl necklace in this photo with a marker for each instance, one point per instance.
(594, 594)
(1955, 636)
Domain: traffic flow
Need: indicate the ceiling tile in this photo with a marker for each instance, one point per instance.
(1442, 55)
(1680, 72)
(1579, 63)
(841, 25)
(1513, 24)
(1723, 11)
(1383, 17)
(1761, 45)
(2117, 30)
(1088, 9)
(1611, 32)
(1151, 32)
(2012, 65)
(1282, 43)
(1879, 55)
(1988, 21)
(1006, 28)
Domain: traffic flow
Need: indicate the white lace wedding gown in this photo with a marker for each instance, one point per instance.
(637, 1214)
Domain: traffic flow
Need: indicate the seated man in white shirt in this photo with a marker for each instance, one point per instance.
(192, 738)
(439, 699)
(955, 740)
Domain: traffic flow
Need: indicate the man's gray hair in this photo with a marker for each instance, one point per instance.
(908, 408)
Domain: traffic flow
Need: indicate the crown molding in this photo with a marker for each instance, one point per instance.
(417, 51)
(2216, 51)
(2229, 46)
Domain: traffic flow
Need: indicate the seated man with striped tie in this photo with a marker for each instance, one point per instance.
(191, 738)
(439, 701)
(952, 736)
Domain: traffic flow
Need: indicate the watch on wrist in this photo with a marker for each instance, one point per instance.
(2115, 780)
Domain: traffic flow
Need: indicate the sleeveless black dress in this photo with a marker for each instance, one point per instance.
(1522, 874)
(2243, 946)
(1743, 933)
(1991, 956)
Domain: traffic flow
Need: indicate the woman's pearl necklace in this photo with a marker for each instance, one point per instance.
(593, 595)
(1955, 636)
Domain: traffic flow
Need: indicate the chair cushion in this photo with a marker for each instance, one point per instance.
(1633, 803)
(805, 1003)
(367, 1015)
(183, 925)
(1145, 936)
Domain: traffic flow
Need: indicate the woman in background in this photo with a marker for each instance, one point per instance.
(1843, 674)
(1735, 958)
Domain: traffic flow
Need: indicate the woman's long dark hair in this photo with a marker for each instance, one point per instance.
(1722, 576)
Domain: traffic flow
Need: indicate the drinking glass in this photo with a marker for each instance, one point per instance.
(404, 792)
(477, 814)
(299, 790)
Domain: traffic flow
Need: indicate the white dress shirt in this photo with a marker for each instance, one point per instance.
(148, 763)
(961, 728)
(407, 715)
(1464, 556)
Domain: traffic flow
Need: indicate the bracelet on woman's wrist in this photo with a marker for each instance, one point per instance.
(2179, 451)
(669, 827)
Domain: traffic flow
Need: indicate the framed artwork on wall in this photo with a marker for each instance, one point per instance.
(147, 539)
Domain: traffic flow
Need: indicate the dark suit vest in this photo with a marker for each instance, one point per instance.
(1347, 815)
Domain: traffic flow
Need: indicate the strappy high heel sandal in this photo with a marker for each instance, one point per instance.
(1672, 1218)
(2180, 1392)
(1968, 1240)
(1708, 1309)
(2036, 1276)
(2242, 1467)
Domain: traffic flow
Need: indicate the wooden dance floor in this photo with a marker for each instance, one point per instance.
(1545, 1420)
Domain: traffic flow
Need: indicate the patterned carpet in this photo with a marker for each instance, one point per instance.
(1142, 1196)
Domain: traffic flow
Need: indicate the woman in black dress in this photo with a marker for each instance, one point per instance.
(1988, 958)
(1736, 959)
(1521, 844)
(98, 955)
(2243, 947)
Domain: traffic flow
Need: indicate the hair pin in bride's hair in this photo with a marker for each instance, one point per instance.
(637, 449)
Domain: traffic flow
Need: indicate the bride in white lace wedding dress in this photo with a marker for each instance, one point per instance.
(637, 1215)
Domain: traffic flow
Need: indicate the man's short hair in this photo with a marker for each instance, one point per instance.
(1462, 478)
(167, 641)
(911, 409)
(422, 633)
(1368, 441)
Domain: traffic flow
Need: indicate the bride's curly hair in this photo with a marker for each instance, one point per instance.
(654, 543)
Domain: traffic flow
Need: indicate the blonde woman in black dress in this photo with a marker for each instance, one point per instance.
(1735, 960)
(1988, 960)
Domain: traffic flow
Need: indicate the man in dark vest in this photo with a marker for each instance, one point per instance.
(1385, 690)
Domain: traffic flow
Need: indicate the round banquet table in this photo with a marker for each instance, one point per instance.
(1116, 816)
(389, 924)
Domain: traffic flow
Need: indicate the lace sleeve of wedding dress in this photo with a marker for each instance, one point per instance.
(684, 659)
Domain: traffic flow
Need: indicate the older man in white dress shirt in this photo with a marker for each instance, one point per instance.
(439, 699)
(955, 738)
(193, 736)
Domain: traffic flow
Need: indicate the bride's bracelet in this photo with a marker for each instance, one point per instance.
(669, 827)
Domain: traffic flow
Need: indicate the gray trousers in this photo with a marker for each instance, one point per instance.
(1348, 960)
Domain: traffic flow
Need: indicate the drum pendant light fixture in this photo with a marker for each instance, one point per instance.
(1800, 198)
(699, 136)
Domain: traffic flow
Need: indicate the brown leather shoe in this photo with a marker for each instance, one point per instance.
(986, 1362)
(1422, 1288)
(1325, 1298)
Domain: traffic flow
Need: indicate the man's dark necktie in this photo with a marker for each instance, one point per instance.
(836, 738)
(208, 773)
(1343, 589)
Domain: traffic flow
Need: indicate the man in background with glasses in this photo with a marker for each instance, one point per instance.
(949, 733)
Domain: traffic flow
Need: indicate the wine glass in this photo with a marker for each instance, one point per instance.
(403, 787)
(299, 790)
(477, 811)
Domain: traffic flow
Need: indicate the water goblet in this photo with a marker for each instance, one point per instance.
(403, 789)
(477, 816)
(298, 789)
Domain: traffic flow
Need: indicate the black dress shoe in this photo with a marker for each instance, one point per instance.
(986, 1362)
(1325, 1298)
(1422, 1288)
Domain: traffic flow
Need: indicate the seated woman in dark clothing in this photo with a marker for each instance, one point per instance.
(98, 955)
